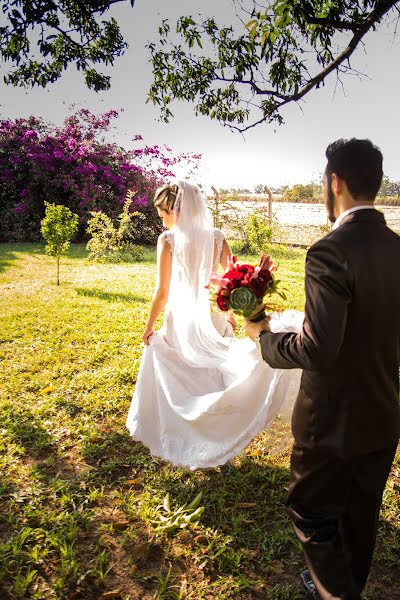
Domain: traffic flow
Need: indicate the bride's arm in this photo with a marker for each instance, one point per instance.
(226, 256)
(161, 290)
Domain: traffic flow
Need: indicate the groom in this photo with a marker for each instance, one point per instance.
(346, 420)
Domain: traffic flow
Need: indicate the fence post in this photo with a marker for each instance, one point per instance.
(269, 204)
(216, 205)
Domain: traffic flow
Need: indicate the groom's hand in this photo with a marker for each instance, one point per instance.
(254, 329)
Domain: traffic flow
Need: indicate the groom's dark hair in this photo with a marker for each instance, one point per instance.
(358, 163)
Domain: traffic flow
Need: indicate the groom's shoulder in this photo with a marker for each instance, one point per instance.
(328, 246)
(330, 239)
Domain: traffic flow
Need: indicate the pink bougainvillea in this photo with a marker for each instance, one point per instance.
(74, 165)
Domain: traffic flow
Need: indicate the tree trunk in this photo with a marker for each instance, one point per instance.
(58, 270)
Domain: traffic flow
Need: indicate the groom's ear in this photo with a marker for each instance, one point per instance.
(337, 184)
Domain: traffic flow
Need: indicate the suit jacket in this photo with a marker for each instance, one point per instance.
(349, 348)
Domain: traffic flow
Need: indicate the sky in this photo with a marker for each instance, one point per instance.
(292, 153)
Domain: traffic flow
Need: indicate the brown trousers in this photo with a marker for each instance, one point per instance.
(334, 506)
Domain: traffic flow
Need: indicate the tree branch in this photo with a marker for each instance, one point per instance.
(324, 22)
(375, 16)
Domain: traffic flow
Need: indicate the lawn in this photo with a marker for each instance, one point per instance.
(81, 502)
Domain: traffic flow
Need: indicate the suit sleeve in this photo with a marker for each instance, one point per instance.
(328, 295)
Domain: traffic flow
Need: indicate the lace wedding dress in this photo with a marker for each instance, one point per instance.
(202, 395)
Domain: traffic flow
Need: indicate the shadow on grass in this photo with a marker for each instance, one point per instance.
(11, 252)
(100, 494)
(7, 256)
(59, 523)
(79, 251)
(110, 296)
(245, 504)
(247, 531)
(27, 430)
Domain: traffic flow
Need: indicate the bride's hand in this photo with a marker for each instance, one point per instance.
(232, 321)
(254, 329)
(148, 332)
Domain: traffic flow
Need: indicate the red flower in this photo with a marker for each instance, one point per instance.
(259, 287)
(240, 275)
(265, 275)
(260, 282)
(222, 301)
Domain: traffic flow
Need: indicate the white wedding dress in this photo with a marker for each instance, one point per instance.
(201, 413)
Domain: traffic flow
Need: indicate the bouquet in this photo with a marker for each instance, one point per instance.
(244, 287)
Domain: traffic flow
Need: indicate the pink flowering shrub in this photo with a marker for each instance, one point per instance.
(73, 165)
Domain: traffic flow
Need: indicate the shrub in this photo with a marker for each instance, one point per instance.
(259, 232)
(74, 162)
(232, 216)
(110, 243)
(58, 228)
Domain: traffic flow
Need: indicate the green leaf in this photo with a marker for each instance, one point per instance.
(250, 23)
(195, 503)
(166, 503)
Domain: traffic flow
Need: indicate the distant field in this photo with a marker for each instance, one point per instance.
(383, 200)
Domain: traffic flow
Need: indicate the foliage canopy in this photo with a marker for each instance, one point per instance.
(279, 53)
(41, 38)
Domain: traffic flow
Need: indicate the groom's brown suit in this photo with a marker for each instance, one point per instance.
(346, 420)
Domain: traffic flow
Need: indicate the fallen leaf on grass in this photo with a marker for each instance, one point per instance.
(276, 566)
(96, 439)
(246, 504)
(201, 539)
(136, 481)
(258, 587)
(46, 390)
(139, 550)
(112, 594)
(255, 453)
(120, 525)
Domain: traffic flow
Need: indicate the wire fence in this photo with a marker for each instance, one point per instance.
(293, 223)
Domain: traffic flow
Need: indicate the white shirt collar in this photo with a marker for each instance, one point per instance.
(344, 214)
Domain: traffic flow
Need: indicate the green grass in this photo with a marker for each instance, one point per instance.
(80, 501)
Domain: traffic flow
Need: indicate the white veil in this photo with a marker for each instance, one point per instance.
(194, 335)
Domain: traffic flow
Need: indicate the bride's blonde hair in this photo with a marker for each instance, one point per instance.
(165, 196)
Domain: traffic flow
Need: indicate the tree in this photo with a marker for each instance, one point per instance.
(389, 188)
(262, 189)
(42, 38)
(300, 192)
(282, 51)
(58, 228)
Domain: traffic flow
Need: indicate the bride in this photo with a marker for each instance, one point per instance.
(201, 395)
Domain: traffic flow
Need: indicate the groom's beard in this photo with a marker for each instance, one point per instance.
(330, 203)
